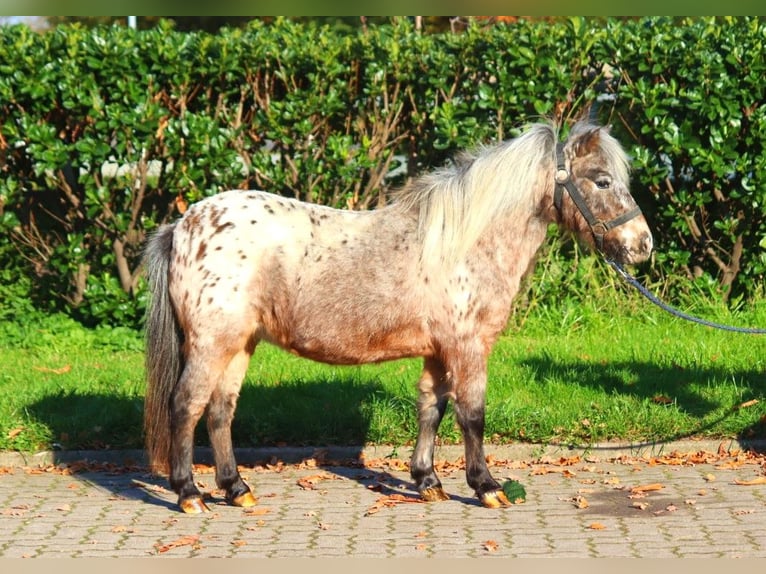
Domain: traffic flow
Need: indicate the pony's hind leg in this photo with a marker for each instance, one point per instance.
(187, 404)
(220, 414)
(432, 402)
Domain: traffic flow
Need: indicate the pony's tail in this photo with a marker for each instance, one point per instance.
(164, 360)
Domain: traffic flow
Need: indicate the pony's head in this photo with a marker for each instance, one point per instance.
(592, 195)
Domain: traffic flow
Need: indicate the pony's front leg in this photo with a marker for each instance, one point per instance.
(432, 402)
(470, 394)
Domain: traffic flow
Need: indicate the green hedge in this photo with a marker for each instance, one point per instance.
(104, 133)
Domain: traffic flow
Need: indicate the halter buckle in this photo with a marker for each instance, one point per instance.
(562, 176)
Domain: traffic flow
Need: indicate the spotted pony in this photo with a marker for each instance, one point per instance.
(432, 274)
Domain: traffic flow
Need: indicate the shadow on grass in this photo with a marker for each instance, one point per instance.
(298, 413)
(679, 385)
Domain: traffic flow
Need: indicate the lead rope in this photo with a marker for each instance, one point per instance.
(672, 310)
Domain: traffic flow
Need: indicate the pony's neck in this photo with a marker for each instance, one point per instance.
(511, 245)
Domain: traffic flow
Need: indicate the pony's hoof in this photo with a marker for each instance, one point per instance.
(434, 494)
(193, 505)
(494, 499)
(244, 500)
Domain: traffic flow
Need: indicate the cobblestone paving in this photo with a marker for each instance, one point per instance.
(589, 508)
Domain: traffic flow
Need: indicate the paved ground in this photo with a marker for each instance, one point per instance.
(697, 501)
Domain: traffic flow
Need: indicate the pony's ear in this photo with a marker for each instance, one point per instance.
(588, 142)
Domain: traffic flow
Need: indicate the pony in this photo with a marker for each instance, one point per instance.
(432, 274)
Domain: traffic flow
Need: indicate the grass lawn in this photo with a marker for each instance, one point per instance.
(584, 372)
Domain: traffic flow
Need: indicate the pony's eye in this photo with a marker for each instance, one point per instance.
(603, 182)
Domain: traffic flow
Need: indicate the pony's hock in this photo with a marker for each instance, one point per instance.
(433, 275)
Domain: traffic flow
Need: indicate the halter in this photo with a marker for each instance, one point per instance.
(597, 227)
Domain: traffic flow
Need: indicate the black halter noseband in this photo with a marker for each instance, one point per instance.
(564, 181)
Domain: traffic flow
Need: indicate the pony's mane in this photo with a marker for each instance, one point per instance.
(457, 203)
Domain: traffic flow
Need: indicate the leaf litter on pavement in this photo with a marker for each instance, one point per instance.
(583, 469)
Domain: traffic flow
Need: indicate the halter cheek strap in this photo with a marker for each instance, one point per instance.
(564, 181)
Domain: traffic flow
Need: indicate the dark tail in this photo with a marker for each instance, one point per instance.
(164, 361)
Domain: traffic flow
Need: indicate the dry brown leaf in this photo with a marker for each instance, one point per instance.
(730, 465)
(596, 526)
(490, 545)
(188, 540)
(744, 511)
(421, 547)
(64, 508)
(181, 204)
(753, 482)
(238, 543)
(310, 482)
(662, 400)
(640, 505)
(390, 501)
(580, 502)
(257, 511)
(690, 501)
(647, 488)
(746, 404)
(59, 371)
(709, 477)
(13, 433)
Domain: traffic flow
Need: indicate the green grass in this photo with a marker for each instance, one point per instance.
(604, 368)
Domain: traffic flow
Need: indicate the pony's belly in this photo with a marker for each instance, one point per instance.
(350, 350)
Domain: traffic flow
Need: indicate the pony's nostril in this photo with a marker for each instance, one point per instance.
(647, 243)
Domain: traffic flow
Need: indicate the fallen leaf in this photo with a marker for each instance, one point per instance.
(59, 371)
(709, 477)
(662, 400)
(730, 465)
(422, 534)
(188, 540)
(64, 508)
(257, 511)
(238, 543)
(753, 482)
(596, 526)
(310, 482)
(421, 547)
(490, 545)
(647, 488)
(390, 501)
(671, 508)
(13, 433)
(741, 512)
(746, 404)
(690, 501)
(580, 502)
(640, 505)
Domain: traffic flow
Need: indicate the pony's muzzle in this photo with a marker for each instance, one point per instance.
(638, 248)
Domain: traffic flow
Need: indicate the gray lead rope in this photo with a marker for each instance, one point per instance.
(673, 311)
